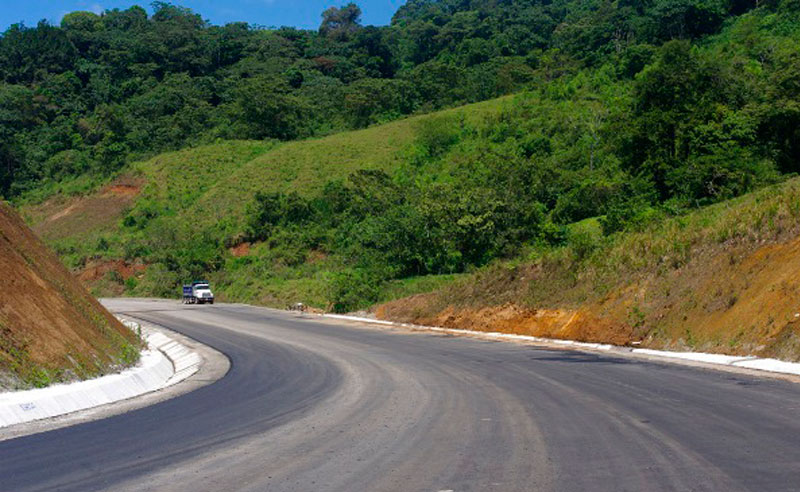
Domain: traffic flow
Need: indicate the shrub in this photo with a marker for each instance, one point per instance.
(436, 134)
(351, 289)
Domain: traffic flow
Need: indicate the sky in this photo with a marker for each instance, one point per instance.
(297, 13)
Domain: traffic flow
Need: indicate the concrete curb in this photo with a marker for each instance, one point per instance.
(164, 363)
(746, 362)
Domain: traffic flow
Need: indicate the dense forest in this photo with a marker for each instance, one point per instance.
(85, 97)
(625, 111)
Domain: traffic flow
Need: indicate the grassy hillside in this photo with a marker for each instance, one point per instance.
(218, 181)
(195, 203)
(725, 278)
(51, 329)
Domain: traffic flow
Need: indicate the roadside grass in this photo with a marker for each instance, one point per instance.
(406, 287)
(765, 216)
(255, 279)
(724, 278)
(591, 265)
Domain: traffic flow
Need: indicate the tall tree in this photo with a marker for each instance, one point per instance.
(340, 24)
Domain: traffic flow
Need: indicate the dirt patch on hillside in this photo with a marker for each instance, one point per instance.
(50, 327)
(124, 188)
(62, 217)
(730, 298)
(123, 270)
(240, 250)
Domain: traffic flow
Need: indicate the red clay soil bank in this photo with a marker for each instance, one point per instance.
(96, 270)
(47, 319)
(510, 318)
(741, 300)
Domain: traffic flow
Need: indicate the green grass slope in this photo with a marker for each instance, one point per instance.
(200, 196)
(216, 182)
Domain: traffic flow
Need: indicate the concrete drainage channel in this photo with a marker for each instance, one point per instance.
(165, 362)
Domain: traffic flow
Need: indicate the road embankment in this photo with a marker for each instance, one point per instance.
(164, 362)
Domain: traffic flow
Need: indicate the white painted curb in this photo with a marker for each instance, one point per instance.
(164, 363)
(749, 362)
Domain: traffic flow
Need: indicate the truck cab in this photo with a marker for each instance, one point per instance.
(198, 292)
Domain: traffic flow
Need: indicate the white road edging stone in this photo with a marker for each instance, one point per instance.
(721, 359)
(771, 365)
(163, 363)
(748, 362)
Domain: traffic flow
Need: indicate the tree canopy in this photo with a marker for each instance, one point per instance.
(91, 94)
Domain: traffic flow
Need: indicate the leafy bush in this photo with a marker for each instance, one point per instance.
(437, 134)
(584, 239)
(351, 289)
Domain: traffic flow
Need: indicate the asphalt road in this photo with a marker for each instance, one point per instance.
(320, 405)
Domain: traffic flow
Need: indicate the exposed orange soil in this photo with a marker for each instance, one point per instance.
(124, 189)
(240, 250)
(729, 298)
(47, 319)
(98, 269)
(62, 217)
(510, 318)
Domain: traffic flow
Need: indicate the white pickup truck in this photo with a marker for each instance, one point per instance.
(198, 293)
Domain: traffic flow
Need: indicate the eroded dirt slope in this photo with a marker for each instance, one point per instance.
(729, 299)
(62, 217)
(51, 329)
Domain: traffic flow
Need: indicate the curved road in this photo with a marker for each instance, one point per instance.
(313, 404)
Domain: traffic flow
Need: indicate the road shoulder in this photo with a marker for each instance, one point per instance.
(213, 366)
(746, 365)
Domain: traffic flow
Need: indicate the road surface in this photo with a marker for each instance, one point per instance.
(313, 404)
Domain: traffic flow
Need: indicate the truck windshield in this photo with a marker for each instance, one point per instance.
(201, 286)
